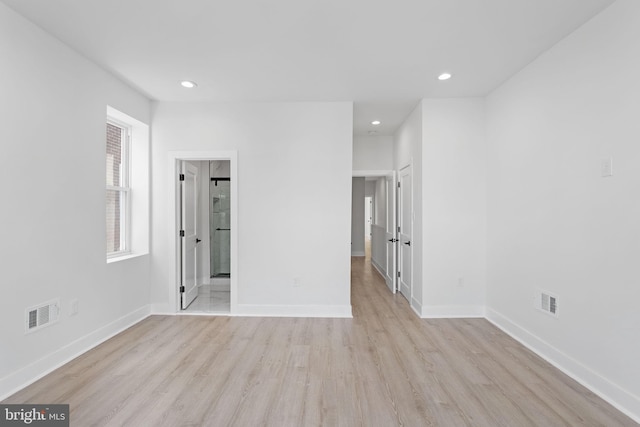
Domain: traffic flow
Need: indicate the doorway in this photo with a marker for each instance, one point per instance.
(219, 221)
(196, 228)
(372, 221)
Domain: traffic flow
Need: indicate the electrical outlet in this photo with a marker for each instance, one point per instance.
(75, 307)
(461, 282)
(606, 167)
(297, 282)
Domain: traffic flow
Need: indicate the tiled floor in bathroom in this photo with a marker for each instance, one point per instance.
(210, 301)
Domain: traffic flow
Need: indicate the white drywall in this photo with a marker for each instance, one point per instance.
(378, 238)
(554, 222)
(294, 203)
(370, 188)
(53, 109)
(372, 153)
(380, 202)
(357, 216)
(454, 207)
(408, 151)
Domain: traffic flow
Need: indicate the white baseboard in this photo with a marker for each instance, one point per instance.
(378, 268)
(18, 380)
(357, 253)
(416, 306)
(452, 311)
(621, 399)
(250, 310)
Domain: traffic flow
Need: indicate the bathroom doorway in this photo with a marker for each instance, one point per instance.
(217, 235)
(220, 223)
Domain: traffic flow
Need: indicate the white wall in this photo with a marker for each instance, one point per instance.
(369, 188)
(408, 150)
(287, 177)
(357, 216)
(53, 109)
(380, 202)
(372, 153)
(454, 207)
(378, 238)
(554, 222)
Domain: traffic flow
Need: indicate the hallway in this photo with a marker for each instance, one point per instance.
(384, 367)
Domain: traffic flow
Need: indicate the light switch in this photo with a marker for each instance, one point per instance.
(606, 167)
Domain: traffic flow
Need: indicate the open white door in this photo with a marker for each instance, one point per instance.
(390, 234)
(405, 222)
(188, 233)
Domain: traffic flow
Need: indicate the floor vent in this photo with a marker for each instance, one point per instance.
(42, 315)
(546, 302)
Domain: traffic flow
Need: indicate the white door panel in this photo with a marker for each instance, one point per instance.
(390, 234)
(405, 223)
(189, 226)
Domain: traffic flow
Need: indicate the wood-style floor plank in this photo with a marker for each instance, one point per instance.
(384, 367)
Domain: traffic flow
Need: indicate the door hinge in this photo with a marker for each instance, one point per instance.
(181, 233)
(181, 288)
(181, 177)
(398, 274)
(398, 229)
(398, 185)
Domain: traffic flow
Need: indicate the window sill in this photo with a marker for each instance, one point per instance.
(123, 257)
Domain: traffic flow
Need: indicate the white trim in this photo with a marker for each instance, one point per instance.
(452, 311)
(370, 173)
(173, 158)
(416, 306)
(330, 311)
(358, 253)
(621, 399)
(116, 258)
(137, 226)
(29, 374)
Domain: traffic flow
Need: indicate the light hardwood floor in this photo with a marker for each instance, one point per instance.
(384, 367)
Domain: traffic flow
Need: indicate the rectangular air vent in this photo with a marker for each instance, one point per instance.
(546, 302)
(42, 315)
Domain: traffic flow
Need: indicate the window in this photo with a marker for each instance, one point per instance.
(118, 189)
(127, 182)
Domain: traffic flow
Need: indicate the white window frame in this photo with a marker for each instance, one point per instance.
(124, 188)
(137, 220)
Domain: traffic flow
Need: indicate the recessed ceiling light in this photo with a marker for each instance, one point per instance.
(376, 122)
(188, 84)
(444, 76)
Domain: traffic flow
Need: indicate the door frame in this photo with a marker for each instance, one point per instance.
(376, 174)
(399, 210)
(175, 205)
(391, 278)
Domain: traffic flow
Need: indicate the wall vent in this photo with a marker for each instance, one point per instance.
(42, 315)
(546, 302)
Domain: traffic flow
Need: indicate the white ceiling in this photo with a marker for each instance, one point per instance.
(384, 55)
